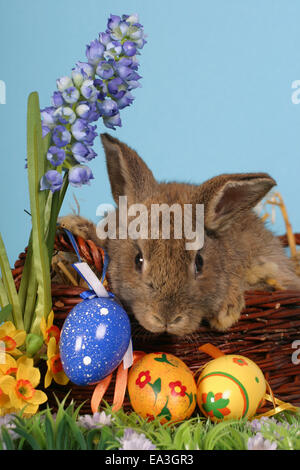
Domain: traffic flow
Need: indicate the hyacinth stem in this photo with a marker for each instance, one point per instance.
(57, 200)
(36, 169)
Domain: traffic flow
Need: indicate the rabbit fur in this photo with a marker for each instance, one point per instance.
(165, 292)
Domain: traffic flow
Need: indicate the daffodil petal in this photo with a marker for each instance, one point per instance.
(19, 337)
(9, 361)
(38, 398)
(48, 378)
(6, 328)
(50, 319)
(7, 383)
(52, 347)
(29, 373)
(60, 378)
(16, 402)
(27, 361)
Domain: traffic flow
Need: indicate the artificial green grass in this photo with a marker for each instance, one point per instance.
(66, 430)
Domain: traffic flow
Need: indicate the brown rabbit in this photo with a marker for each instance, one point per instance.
(169, 288)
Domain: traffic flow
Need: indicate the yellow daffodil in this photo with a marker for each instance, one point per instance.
(12, 338)
(55, 369)
(21, 388)
(48, 329)
(4, 398)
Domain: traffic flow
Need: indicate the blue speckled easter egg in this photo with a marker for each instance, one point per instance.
(94, 339)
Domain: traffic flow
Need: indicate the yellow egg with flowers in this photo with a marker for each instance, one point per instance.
(161, 385)
(230, 387)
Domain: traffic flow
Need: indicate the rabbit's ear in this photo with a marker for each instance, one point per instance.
(128, 174)
(226, 197)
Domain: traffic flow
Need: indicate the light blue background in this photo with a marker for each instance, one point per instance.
(216, 93)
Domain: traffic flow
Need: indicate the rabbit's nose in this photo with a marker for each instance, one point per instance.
(165, 321)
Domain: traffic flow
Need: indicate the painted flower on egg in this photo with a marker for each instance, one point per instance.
(143, 379)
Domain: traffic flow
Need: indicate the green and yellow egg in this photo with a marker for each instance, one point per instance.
(230, 387)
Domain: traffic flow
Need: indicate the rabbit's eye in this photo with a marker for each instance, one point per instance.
(139, 261)
(198, 263)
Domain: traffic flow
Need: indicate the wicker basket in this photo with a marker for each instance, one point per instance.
(265, 333)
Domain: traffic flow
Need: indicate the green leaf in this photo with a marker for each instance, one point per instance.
(92, 438)
(61, 433)
(37, 166)
(49, 431)
(9, 444)
(76, 433)
(28, 437)
(163, 358)
(10, 287)
(24, 285)
(5, 313)
(156, 386)
(30, 298)
(165, 412)
(3, 296)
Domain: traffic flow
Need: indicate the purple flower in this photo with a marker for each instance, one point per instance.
(45, 131)
(140, 43)
(85, 69)
(126, 100)
(56, 155)
(132, 440)
(79, 175)
(95, 420)
(256, 424)
(120, 31)
(48, 117)
(113, 22)
(104, 38)
(105, 69)
(79, 129)
(87, 111)
(113, 49)
(82, 153)
(135, 33)
(123, 71)
(83, 110)
(258, 442)
(134, 18)
(97, 88)
(65, 115)
(94, 52)
(108, 107)
(63, 83)
(112, 121)
(51, 180)
(71, 95)
(90, 134)
(57, 99)
(88, 90)
(61, 136)
(132, 84)
(116, 88)
(129, 48)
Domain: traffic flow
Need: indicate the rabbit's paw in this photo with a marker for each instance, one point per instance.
(229, 314)
(79, 226)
